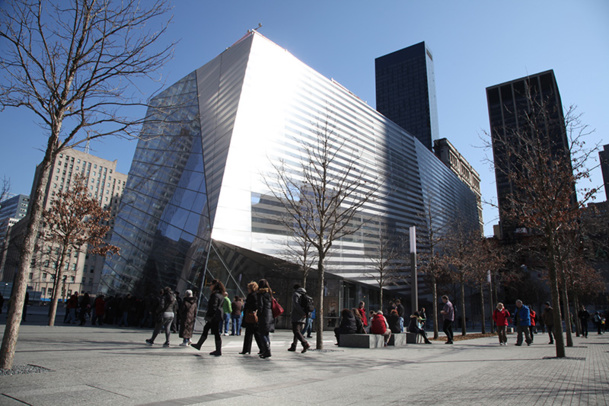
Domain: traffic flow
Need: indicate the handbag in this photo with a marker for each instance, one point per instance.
(250, 317)
(276, 308)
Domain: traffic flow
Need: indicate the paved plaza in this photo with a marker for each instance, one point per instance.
(108, 365)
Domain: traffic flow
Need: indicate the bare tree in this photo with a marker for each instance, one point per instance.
(386, 261)
(5, 190)
(544, 176)
(71, 64)
(75, 221)
(323, 198)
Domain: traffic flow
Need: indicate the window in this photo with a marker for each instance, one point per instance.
(31, 275)
(72, 279)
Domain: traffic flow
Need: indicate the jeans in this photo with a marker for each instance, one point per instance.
(401, 324)
(584, 324)
(308, 327)
(527, 335)
(236, 325)
(226, 323)
(448, 330)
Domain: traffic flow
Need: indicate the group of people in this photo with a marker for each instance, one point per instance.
(355, 321)
(255, 315)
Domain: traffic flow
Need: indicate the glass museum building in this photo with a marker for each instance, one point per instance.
(197, 204)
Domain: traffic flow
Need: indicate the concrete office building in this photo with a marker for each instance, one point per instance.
(196, 205)
(452, 158)
(508, 103)
(82, 271)
(406, 91)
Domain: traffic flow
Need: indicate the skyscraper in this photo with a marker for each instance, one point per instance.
(604, 161)
(106, 185)
(513, 110)
(197, 206)
(406, 91)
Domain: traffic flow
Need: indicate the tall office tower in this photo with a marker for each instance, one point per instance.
(197, 206)
(106, 185)
(508, 105)
(604, 160)
(406, 91)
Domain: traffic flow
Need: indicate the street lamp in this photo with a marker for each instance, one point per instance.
(414, 292)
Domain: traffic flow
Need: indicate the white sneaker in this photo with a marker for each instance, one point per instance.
(186, 344)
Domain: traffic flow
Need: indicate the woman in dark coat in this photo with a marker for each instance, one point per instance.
(394, 322)
(188, 315)
(347, 325)
(213, 318)
(266, 322)
(251, 329)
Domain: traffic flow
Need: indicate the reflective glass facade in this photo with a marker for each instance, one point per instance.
(197, 205)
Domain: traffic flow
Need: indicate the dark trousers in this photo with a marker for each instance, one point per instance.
(448, 329)
(550, 333)
(584, 324)
(297, 330)
(250, 332)
(214, 326)
(163, 324)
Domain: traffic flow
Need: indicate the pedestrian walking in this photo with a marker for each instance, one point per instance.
(266, 322)
(298, 317)
(188, 317)
(236, 316)
(548, 320)
(164, 316)
(598, 320)
(584, 316)
(448, 314)
(175, 324)
(501, 316)
(71, 306)
(99, 307)
(85, 308)
(308, 327)
(227, 309)
(522, 321)
(532, 328)
(250, 319)
(213, 317)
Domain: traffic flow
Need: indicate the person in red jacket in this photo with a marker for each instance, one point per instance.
(501, 316)
(362, 311)
(379, 325)
(532, 327)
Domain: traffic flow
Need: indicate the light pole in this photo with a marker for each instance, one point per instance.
(414, 289)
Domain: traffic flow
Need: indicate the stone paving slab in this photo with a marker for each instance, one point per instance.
(100, 366)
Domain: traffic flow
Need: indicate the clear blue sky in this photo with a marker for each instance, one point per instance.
(475, 44)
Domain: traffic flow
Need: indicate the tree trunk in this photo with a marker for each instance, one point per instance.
(320, 313)
(434, 286)
(555, 293)
(482, 307)
(463, 322)
(15, 312)
(565, 302)
(55, 296)
(578, 327)
(491, 302)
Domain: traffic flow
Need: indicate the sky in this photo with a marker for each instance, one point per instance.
(475, 44)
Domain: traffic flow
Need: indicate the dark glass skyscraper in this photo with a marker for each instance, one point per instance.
(604, 158)
(509, 105)
(406, 91)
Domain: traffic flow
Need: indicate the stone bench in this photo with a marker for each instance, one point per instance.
(398, 339)
(361, 340)
(413, 338)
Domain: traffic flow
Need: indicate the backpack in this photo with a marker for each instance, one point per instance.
(306, 302)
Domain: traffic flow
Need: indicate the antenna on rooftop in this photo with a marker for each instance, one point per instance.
(257, 28)
(87, 146)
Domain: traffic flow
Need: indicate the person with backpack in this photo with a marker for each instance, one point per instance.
(300, 311)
